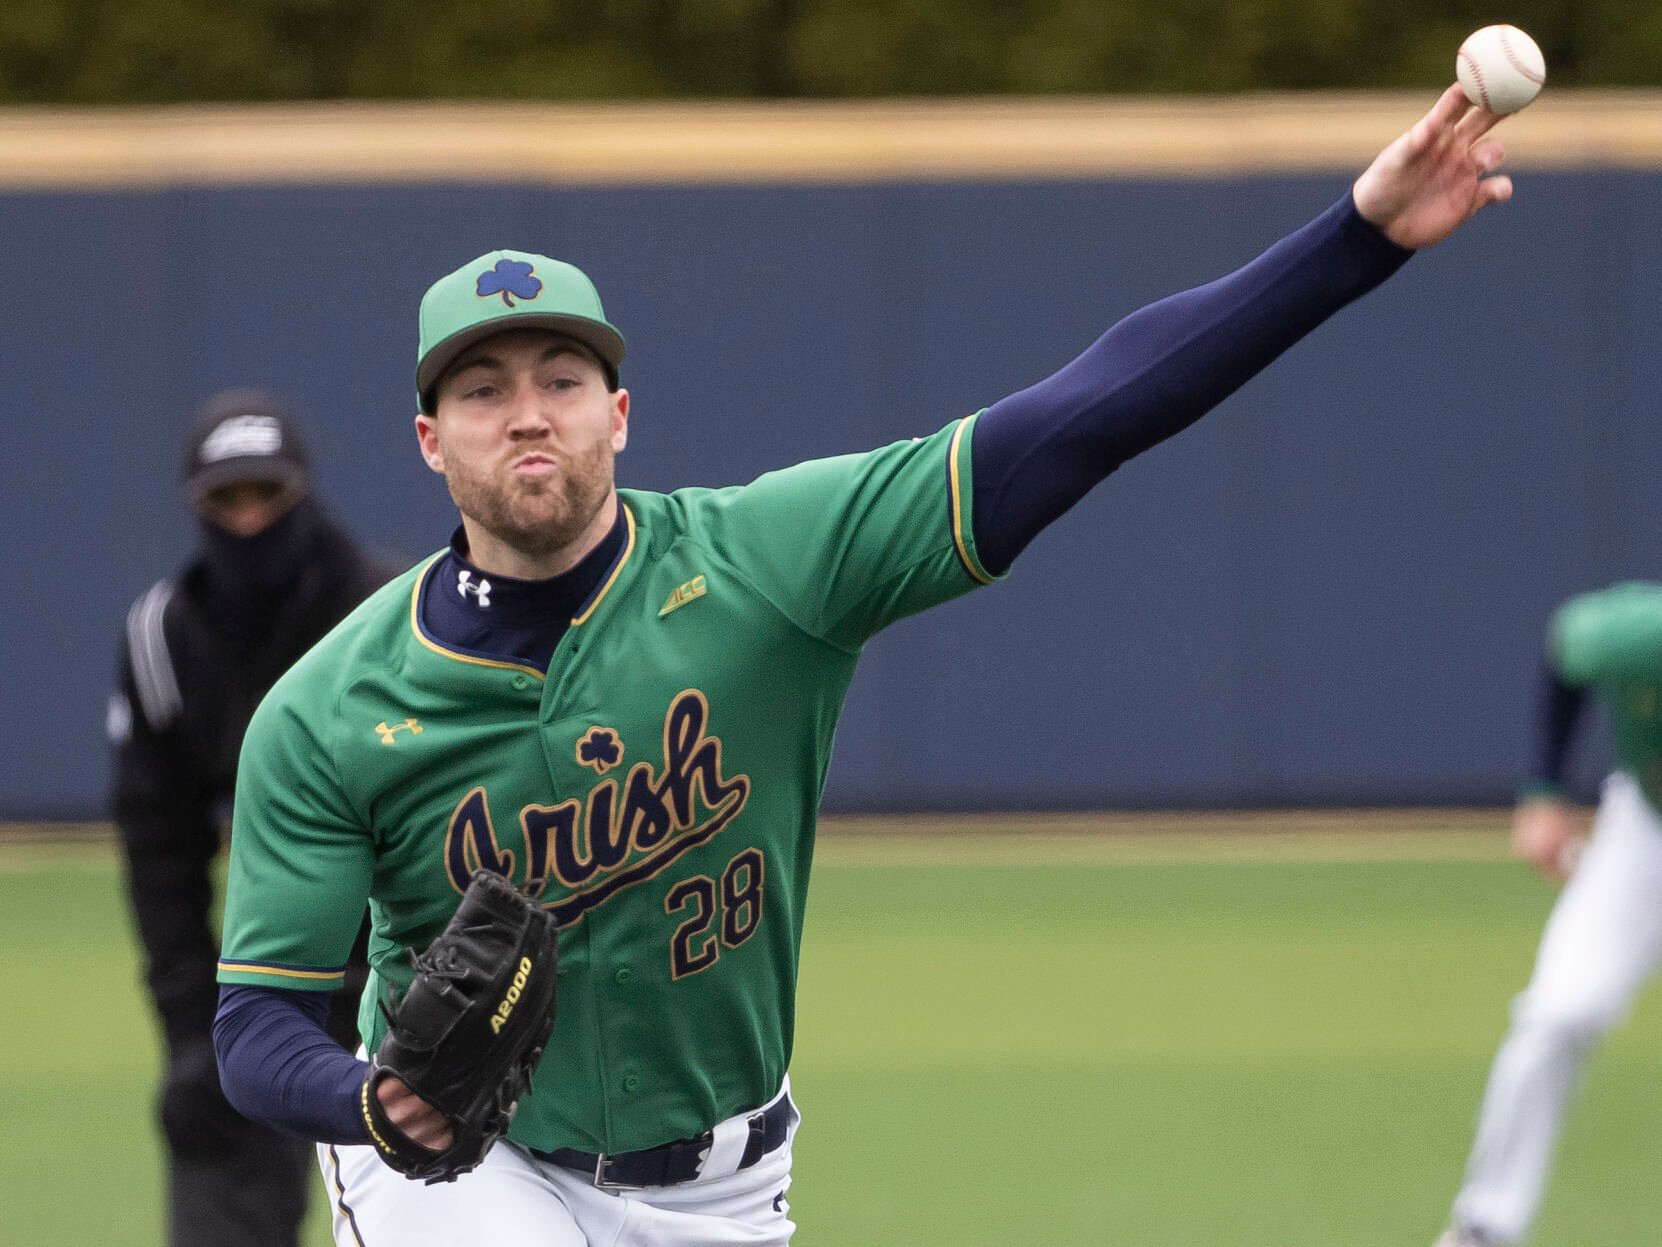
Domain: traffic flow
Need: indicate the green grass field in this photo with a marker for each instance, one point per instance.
(1151, 1040)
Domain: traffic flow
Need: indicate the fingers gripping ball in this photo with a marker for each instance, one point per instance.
(469, 1032)
(1501, 68)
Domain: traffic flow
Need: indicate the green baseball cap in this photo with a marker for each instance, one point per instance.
(504, 290)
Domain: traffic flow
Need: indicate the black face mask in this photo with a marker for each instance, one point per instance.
(247, 579)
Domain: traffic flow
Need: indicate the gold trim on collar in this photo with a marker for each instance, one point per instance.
(628, 549)
(453, 655)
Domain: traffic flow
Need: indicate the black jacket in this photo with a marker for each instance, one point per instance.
(198, 654)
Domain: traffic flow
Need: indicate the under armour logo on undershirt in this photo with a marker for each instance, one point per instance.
(466, 587)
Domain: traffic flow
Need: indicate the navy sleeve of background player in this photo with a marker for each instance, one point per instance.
(1156, 372)
(1557, 711)
(279, 1067)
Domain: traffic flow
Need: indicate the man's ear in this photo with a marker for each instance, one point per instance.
(620, 420)
(427, 435)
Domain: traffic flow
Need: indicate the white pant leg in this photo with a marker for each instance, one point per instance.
(505, 1202)
(515, 1200)
(1603, 940)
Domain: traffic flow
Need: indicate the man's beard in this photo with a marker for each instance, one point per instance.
(535, 517)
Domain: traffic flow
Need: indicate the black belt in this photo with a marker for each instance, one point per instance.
(671, 1163)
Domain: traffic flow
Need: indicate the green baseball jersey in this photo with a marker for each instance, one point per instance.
(1612, 641)
(662, 781)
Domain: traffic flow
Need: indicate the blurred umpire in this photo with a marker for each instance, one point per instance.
(270, 575)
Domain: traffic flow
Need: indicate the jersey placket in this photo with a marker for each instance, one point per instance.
(565, 708)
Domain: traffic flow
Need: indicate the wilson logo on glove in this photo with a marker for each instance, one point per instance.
(512, 998)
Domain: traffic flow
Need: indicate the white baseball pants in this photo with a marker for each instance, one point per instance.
(515, 1200)
(1602, 942)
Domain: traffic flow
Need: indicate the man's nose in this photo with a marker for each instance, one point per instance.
(526, 417)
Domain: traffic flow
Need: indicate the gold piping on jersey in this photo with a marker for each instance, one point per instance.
(415, 627)
(628, 549)
(971, 564)
(256, 967)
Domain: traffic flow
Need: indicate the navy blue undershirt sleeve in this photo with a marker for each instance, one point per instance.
(1558, 709)
(279, 1066)
(1156, 372)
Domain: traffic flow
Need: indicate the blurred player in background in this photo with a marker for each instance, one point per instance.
(627, 699)
(1604, 938)
(271, 574)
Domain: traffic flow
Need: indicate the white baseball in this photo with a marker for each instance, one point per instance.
(1501, 68)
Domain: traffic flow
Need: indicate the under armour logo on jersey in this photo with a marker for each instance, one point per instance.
(694, 588)
(389, 734)
(242, 436)
(466, 586)
(508, 278)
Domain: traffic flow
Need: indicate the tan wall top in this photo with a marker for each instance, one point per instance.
(803, 142)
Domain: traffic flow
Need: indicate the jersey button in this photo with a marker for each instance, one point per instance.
(632, 1083)
(520, 681)
(623, 974)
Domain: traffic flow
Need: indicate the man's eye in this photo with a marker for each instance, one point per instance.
(565, 383)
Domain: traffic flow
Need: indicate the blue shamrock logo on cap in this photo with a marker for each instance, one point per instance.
(508, 278)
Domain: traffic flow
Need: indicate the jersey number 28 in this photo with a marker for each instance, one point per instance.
(738, 901)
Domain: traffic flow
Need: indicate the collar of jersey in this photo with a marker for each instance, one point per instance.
(511, 603)
(584, 613)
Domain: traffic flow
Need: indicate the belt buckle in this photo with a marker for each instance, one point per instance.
(602, 1182)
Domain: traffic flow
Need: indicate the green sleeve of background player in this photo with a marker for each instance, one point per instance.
(1610, 637)
(845, 546)
(301, 858)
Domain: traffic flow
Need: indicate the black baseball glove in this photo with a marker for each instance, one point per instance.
(470, 1030)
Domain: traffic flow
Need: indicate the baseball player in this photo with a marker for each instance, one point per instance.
(270, 575)
(625, 701)
(1604, 938)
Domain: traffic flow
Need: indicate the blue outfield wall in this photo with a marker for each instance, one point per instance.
(1331, 591)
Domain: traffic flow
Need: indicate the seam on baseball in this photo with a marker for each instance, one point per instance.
(1477, 76)
(1512, 59)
